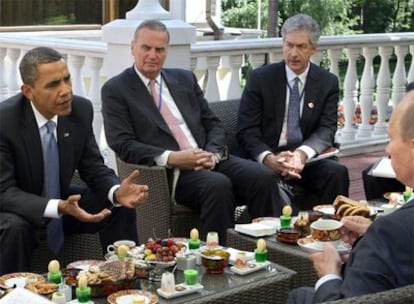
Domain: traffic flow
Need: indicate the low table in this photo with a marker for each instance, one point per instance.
(269, 285)
(288, 255)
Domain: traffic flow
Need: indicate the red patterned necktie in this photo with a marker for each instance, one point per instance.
(169, 118)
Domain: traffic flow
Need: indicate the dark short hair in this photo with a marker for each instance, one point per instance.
(34, 57)
(302, 22)
(154, 25)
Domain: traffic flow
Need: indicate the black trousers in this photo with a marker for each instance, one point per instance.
(19, 238)
(375, 187)
(233, 182)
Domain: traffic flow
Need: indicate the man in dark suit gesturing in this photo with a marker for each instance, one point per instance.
(33, 195)
(288, 115)
(160, 116)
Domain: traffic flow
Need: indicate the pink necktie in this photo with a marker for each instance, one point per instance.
(169, 118)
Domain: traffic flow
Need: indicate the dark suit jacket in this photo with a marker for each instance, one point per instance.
(263, 106)
(21, 159)
(383, 259)
(146, 135)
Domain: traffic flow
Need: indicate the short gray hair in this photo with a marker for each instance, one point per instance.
(154, 25)
(31, 60)
(302, 22)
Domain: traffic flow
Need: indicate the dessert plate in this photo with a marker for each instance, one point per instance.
(83, 265)
(327, 209)
(250, 267)
(126, 296)
(20, 279)
(255, 229)
(180, 290)
(310, 245)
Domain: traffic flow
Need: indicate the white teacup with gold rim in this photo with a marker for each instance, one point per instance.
(113, 248)
(326, 230)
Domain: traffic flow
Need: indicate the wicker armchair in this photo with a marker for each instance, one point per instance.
(76, 247)
(402, 295)
(161, 213)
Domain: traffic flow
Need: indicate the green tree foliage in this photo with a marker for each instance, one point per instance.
(334, 16)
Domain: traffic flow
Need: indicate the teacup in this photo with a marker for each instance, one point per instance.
(326, 230)
(113, 248)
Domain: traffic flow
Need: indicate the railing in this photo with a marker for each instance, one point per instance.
(218, 65)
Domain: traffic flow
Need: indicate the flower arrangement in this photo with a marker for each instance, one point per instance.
(357, 119)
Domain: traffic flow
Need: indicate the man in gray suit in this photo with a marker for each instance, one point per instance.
(273, 132)
(105, 205)
(158, 116)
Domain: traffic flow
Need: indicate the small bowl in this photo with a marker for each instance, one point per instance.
(326, 230)
(288, 235)
(215, 260)
(314, 215)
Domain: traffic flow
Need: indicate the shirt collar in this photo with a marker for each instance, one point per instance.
(290, 75)
(40, 119)
(144, 79)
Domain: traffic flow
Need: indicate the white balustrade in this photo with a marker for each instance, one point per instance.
(218, 64)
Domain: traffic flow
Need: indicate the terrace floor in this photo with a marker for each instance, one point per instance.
(356, 164)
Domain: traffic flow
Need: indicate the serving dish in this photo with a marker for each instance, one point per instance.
(250, 267)
(310, 245)
(124, 295)
(180, 290)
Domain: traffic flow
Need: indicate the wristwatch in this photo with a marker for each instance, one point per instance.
(222, 155)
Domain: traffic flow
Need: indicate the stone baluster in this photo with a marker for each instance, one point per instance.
(77, 62)
(275, 55)
(256, 60)
(95, 65)
(334, 55)
(350, 94)
(14, 79)
(383, 90)
(212, 91)
(3, 82)
(366, 97)
(234, 91)
(317, 57)
(410, 76)
(399, 79)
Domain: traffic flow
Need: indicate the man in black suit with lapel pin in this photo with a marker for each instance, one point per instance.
(27, 204)
(288, 115)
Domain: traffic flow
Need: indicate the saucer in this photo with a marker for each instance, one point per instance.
(310, 245)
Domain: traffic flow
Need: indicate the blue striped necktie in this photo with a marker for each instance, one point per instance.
(294, 133)
(52, 184)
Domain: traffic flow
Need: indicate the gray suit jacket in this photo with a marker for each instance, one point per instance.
(263, 106)
(21, 158)
(134, 127)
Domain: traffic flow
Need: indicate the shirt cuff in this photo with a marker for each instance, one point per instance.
(326, 278)
(111, 196)
(51, 210)
(308, 151)
(260, 158)
(162, 160)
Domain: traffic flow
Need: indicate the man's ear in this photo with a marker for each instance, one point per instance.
(26, 91)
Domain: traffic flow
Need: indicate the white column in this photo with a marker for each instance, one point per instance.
(350, 94)
(317, 57)
(256, 60)
(77, 62)
(399, 79)
(275, 55)
(234, 91)
(410, 76)
(95, 65)
(212, 91)
(177, 9)
(14, 80)
(383, 91)
(143, 7)
(334, 55)
(367, 90)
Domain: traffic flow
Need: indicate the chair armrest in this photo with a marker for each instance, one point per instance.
(154, 216)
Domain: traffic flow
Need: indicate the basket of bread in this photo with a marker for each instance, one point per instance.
(105, 277)
(345, 206)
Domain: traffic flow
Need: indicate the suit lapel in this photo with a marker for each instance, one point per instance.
(312, 88)
(33, 146)
(279, 92)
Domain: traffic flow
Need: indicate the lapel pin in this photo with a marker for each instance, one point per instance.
(66, 135)
(310, 105)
